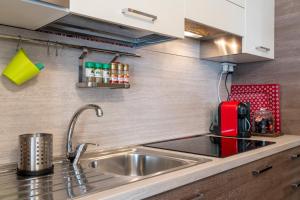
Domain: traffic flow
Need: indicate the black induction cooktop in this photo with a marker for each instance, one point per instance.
(209, 145)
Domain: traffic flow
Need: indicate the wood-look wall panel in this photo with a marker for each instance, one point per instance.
(171, 96)
(285, 68)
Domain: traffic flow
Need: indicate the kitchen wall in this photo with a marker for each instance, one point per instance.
(285, 68)
(171, 95)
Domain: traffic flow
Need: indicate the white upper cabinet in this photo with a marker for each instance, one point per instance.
(259, 28)
(252, 20)
(220, 14)
(29, 14)
(160, 16)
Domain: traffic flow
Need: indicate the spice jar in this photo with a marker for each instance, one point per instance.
(263, 121)
(126, 73)
(114, 73)
(98, 73)
(120, 73)
(106, 73)
(89, 73)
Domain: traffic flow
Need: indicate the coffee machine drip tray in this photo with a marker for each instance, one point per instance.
(209, 145)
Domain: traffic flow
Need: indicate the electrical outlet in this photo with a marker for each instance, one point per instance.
(228, 67)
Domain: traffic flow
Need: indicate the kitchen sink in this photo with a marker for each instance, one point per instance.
(141, 163)
(135, 164)
(96, 172)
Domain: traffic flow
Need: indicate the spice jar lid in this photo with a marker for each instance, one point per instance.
(89, 64)
(120, 66)
(98, 65)
(106, 66)
(114, 65)
(126, 67)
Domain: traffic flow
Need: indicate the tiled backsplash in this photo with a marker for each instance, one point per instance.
(171, 95)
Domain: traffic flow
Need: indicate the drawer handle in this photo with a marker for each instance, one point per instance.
(128, 11)
(199, 196)
(295, 156)
(296, 185)
(262, 48)
(260, 171)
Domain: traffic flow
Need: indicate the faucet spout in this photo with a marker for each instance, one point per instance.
(70, 153)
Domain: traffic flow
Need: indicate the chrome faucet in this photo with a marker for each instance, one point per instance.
(75, 155)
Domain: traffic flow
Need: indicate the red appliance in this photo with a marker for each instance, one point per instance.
(234, 119)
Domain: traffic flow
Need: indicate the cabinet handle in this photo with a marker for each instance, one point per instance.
(296, 185)
(133, 11)
(199, 196)
(260, 171)
(295, 156)
(262, 48)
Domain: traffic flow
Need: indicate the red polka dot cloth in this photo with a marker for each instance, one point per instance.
(260, 96)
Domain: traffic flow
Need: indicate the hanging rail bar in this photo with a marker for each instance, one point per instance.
(61, 44)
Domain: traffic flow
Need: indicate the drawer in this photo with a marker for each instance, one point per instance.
(290, 175)
(209, 188)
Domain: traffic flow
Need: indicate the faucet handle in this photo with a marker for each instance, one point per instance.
(80, 149)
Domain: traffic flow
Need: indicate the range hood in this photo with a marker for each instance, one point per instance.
(216, 45)
(84, 27)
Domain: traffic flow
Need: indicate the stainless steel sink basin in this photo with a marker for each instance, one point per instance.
(142, 163)
(134, 164)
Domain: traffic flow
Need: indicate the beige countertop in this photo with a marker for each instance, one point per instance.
(155, 185)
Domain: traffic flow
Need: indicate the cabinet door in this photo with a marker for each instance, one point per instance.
(220, 14)
(259, 28)
(165, 17)
(290, 175)
(29, 14)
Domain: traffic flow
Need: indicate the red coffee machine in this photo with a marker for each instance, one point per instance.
(234, 119)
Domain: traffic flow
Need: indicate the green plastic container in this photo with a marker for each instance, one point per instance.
(21, 69)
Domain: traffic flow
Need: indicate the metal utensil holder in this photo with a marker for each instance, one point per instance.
(35, 154)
